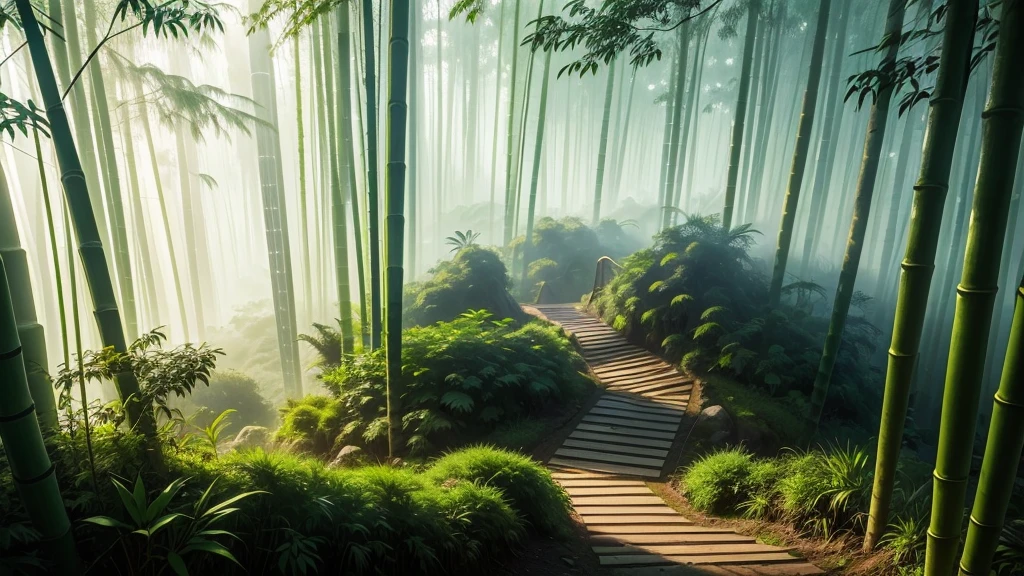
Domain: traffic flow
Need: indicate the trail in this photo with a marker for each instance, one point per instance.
(626, 438)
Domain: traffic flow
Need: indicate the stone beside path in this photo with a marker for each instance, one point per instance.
(623, 441)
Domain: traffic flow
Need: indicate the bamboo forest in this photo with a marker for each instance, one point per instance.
(512, 287)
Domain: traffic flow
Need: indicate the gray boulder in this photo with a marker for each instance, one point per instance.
(347, 456)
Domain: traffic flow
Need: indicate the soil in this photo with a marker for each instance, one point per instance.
(550, 557)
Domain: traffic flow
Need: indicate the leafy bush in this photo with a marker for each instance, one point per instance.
(229, 390)
(719, 482)
(527, 485)
(462, 380)
(313, 421)
(475, 279)
(289, 514)
(699, 296)
(828, 491)
(564, 254)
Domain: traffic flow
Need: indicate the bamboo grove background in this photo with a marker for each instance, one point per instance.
(180, 135)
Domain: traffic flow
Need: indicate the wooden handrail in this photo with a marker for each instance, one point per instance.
(601, 276)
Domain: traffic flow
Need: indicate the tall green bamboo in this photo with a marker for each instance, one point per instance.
(542, 115)
(497, 108)
(674, 85)
(677, 134)
(736, 144)
(510, 134)
(338, 219)
(108, 163)
(90, 246)
(34, 475)
(141, 234)
(348, 155)
(415, 60)
(858, 226)
(275, 216)
(304, 257)
(30, 331)
(1003, 120)
(398, 75)
(602, 150)
(691, 116)
(1002, 454)
(692, 162)
(147, 130)
(371, 178)
(67, 54)
(803, 142)
(919, 262)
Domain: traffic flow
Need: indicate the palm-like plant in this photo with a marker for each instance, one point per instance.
(462, 240)
(153, 535)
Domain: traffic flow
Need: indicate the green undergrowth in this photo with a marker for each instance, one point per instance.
(468, 380)
(564, 254)
(754, 409)
(823, 494)
(454, 515)
(699, 298)
(474, 279)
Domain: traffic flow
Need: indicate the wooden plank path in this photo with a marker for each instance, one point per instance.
(624, 440)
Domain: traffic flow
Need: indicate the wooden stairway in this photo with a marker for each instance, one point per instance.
(624, 439)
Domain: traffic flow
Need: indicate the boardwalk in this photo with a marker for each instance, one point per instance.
(623, 441)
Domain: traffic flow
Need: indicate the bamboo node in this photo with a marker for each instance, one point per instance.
(39, 477)
(1007, 403)
(1003, 111)
(10, 354)
(930, 186)
(906, 265)
(963, 291)
(941, 478)
(31, 408)
(980, 524)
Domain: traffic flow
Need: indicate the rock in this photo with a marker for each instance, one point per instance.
(757, 438)
(715, 425)
(347, 456)
(250, 437)
(716, 418)
(720, 438)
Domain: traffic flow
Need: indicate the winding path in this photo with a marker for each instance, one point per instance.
(625, 438)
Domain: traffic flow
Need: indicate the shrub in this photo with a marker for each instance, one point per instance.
(463, 379)
(230, 390)
(564, 254)
(828, 491)
(314, 421)
(311, 518)
(527, 485)
(719, 482)
(699, 296)
(475, 279)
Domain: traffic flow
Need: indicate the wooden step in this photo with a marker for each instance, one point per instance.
(630, 423)
(588, 455)
(608, 447)
(624, 431)
(606, 467)
(634, 414)
(640, 559)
